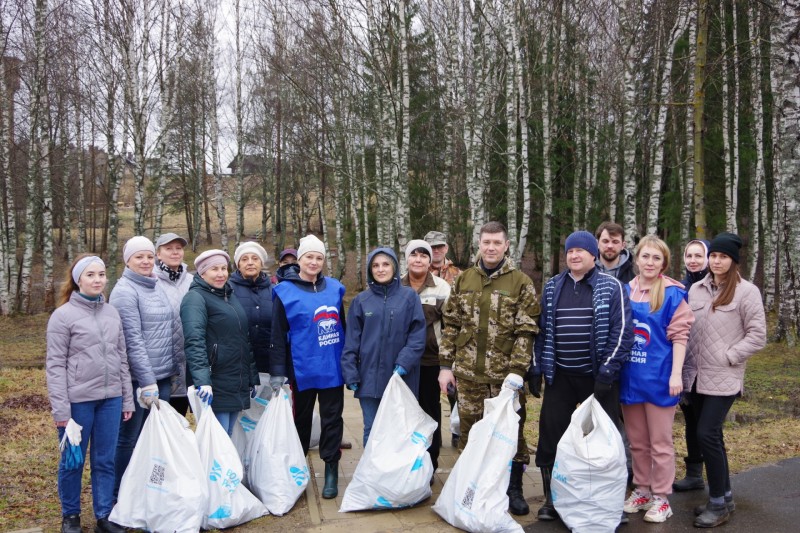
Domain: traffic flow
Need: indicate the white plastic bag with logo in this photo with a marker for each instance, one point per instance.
(163, 488)
(589, 475)
(229, 502)
(474, 496)
(395, 470)
(245, 426)
(277, 472)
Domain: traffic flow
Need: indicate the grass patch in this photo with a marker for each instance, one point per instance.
(23, 341)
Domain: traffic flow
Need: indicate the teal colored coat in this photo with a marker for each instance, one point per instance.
(215, 332)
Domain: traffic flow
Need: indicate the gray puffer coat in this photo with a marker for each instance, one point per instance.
(86, 358)
(175, 291)
(153, 334)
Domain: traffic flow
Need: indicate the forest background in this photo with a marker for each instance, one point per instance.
(373, 121)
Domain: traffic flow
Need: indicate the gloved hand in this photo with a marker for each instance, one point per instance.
(71, 446)
(602, 390)
(400, 370)
(147, 395)
(513, 382)
(252, 391)
(352, 386)
(205, 393)
(276, 382)
(535, 385)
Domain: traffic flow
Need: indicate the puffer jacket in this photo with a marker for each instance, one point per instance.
(489, 324)
(385, 327)
(217, 347)
(86, 358)
(721, 341)
(152, 329)
(256, 298)
(175, 291)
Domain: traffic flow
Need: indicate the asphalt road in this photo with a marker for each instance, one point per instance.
(767, 501)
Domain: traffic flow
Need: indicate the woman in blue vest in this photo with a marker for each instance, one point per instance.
(651, 378)
(386, 333)
(307, 341)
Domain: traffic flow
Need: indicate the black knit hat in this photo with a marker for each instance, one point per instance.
(728, 244)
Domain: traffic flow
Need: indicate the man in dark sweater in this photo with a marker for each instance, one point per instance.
(613, 256)
(585, 334)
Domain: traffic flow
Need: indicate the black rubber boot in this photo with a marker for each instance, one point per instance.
(715, 514)
(547, 512)
(693, 479)
(104, 525)
(516, 501)
(729, 503)
(331, 489)
(71, 524)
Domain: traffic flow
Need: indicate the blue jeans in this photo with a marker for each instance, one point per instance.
(227, 420)
(100, 420)
(130, 430)
(369, 408)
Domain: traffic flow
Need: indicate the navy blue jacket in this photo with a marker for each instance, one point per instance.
(385, 327)
(256, 298)
(612, 327)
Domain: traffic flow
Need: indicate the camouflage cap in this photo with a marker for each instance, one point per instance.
(435, 238)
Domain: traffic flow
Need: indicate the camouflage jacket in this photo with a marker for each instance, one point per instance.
(448, 271)
(490, 323)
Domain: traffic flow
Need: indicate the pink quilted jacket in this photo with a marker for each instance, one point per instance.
(721, 341)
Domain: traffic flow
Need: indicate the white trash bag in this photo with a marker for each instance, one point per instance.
(229, 502)
(455, 421)
(163, 488)
(277, 472)
(395, 470)
(589, 474)
(245, 426)
(474, 496)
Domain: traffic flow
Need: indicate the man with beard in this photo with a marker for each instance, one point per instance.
(613, 257)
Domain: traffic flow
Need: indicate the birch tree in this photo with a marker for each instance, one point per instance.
(698, 114)
(629, 23)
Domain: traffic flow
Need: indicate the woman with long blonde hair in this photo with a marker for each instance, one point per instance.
(650, 381)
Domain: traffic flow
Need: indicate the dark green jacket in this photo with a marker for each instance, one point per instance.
(215, 331)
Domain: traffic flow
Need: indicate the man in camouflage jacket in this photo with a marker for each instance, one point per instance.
(490, 322)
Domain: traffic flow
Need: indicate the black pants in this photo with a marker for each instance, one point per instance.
(560, 400)
(711, 413)
(431, 402)
(331, 404)
(693, 452)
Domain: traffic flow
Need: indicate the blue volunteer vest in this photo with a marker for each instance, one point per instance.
(645, 375)
(315, 333)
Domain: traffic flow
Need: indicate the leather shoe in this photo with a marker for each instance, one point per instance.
(104, 525)
(71, 524)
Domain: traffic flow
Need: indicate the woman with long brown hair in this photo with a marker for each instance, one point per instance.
(729, 328)
(88, 382)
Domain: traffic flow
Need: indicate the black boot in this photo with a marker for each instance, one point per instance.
(104, 525)
(71, 524)
(693, 479)
(547, 511)
(729, 503)
(516, 501)
(714, 515)
(331, 489)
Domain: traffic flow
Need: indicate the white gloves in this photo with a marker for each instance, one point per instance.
(147, 395)
(205, 394)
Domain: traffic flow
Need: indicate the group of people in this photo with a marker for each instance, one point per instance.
(643, 341)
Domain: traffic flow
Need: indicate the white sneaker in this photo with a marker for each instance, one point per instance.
(637, 501)
(659, 510)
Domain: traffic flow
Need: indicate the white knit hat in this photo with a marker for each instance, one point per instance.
(310, 243)
(418, 243)
(250, 248)
(137, 244)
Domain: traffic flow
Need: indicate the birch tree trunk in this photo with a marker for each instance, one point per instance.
(112, 163)
(522, 107)
(628, 25)
(8, 223)
(166, 91)
(511, 126)
(699, 113)
(757, 201)
(47, 197)
(239, 126)
(403, 227)
(36, 156)
(733, 224)
(547, 180)
(219, 193)
(786, 52)
(687, 165)
(660, 152)
(474, 131)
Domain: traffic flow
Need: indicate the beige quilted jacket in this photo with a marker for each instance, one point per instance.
(721, 341)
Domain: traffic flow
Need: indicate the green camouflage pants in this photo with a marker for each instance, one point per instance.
(470, 410)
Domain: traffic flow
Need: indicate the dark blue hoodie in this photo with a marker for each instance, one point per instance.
(385, 327)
